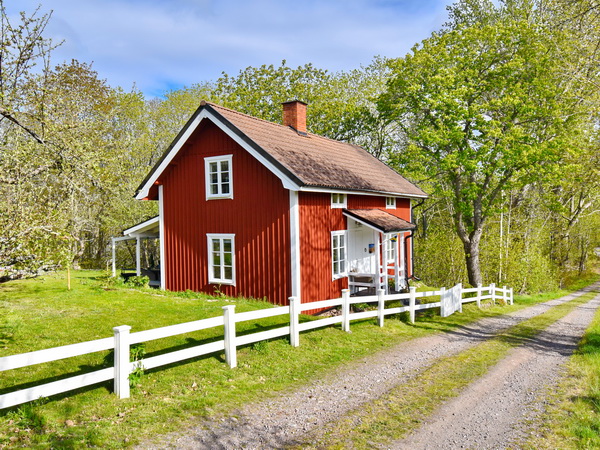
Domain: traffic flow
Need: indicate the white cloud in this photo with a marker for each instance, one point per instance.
(161, 44)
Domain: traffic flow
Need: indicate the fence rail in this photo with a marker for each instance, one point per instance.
(122, 338)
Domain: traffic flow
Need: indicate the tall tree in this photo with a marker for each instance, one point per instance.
(484, 106)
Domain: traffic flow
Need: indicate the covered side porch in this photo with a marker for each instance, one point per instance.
(377, 251)
(149, 229)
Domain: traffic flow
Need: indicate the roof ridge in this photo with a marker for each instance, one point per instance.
(242, 114)
(308, 134)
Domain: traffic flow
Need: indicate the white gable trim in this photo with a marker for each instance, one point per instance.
(206, 114)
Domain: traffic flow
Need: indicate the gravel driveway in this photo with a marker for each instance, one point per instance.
(284, 420)
(493, 412)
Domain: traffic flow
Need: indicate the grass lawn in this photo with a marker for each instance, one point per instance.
(42, 313)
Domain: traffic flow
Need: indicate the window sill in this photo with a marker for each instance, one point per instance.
(222, 282)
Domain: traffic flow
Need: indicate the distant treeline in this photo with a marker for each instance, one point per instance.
(495, 115)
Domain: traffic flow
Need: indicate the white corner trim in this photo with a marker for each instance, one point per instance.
(295, 243)
(161, 237)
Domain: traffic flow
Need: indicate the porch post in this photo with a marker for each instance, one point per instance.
(397, 263)
(161, 237)
(383, 275)
(138, 256)
(114, 257)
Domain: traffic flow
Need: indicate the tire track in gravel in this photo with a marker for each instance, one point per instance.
(494, 411)
(284, 419)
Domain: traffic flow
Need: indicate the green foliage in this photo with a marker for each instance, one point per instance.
(485, 108)
(136, 354)
(138, 281)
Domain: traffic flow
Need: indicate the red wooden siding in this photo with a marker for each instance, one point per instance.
(402, 210)
(317, 220)
(258, 215)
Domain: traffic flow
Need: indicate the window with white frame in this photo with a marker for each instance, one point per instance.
(218, 175)
(390, 202)
(221, 258)
(338, 254)
(338, 200)
(390, 248)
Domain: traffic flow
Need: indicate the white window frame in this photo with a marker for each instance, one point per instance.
(390, 248)
(207, 176)
(335, 236)
(211, 274)
(390, 203)
(338, 200)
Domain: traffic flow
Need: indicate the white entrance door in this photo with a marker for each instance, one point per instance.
(362, 248)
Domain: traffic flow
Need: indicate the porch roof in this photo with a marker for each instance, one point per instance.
(379, 220)
(147, 228)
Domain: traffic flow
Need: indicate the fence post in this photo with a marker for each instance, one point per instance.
(411, 303)
(294, 321)
(479, 295)
(380, 306)
(346, 310)
(443, 302)
(122, 364)
(505, 295)
(229, 330)
(459, 297)
(512, 299)
(114, 257)
(493, 293)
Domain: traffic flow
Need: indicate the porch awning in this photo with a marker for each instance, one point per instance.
(148, 228)
(379, 220)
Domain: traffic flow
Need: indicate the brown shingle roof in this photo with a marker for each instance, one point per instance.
(308, 160)
(381, 220)
(317, 161)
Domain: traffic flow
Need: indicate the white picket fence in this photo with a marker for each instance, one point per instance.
(122, 340)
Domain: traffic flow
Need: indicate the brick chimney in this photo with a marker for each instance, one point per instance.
(294, 115)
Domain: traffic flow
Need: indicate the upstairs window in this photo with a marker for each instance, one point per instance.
(218, 177)
(338, 254)
(221, 258)
(390, 203)
(338, 200)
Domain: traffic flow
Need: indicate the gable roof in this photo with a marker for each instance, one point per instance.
(301, 161)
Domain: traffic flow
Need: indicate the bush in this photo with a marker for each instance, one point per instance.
(141, 281)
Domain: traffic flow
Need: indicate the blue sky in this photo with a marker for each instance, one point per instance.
(167, 44)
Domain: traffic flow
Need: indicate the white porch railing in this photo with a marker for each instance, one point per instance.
(122, 339)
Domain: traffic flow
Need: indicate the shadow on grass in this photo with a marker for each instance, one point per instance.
(109, 358)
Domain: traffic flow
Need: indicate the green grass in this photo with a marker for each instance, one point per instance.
(42, 313)
(402, 410)
(573, 419)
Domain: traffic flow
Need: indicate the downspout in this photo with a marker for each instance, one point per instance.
(412, 247)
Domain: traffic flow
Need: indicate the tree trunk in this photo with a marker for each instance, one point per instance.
(471, 246)
(473, 265)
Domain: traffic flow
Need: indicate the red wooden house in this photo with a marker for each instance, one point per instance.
(259, 209)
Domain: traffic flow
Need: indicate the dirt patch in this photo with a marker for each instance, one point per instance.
(284, 420)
